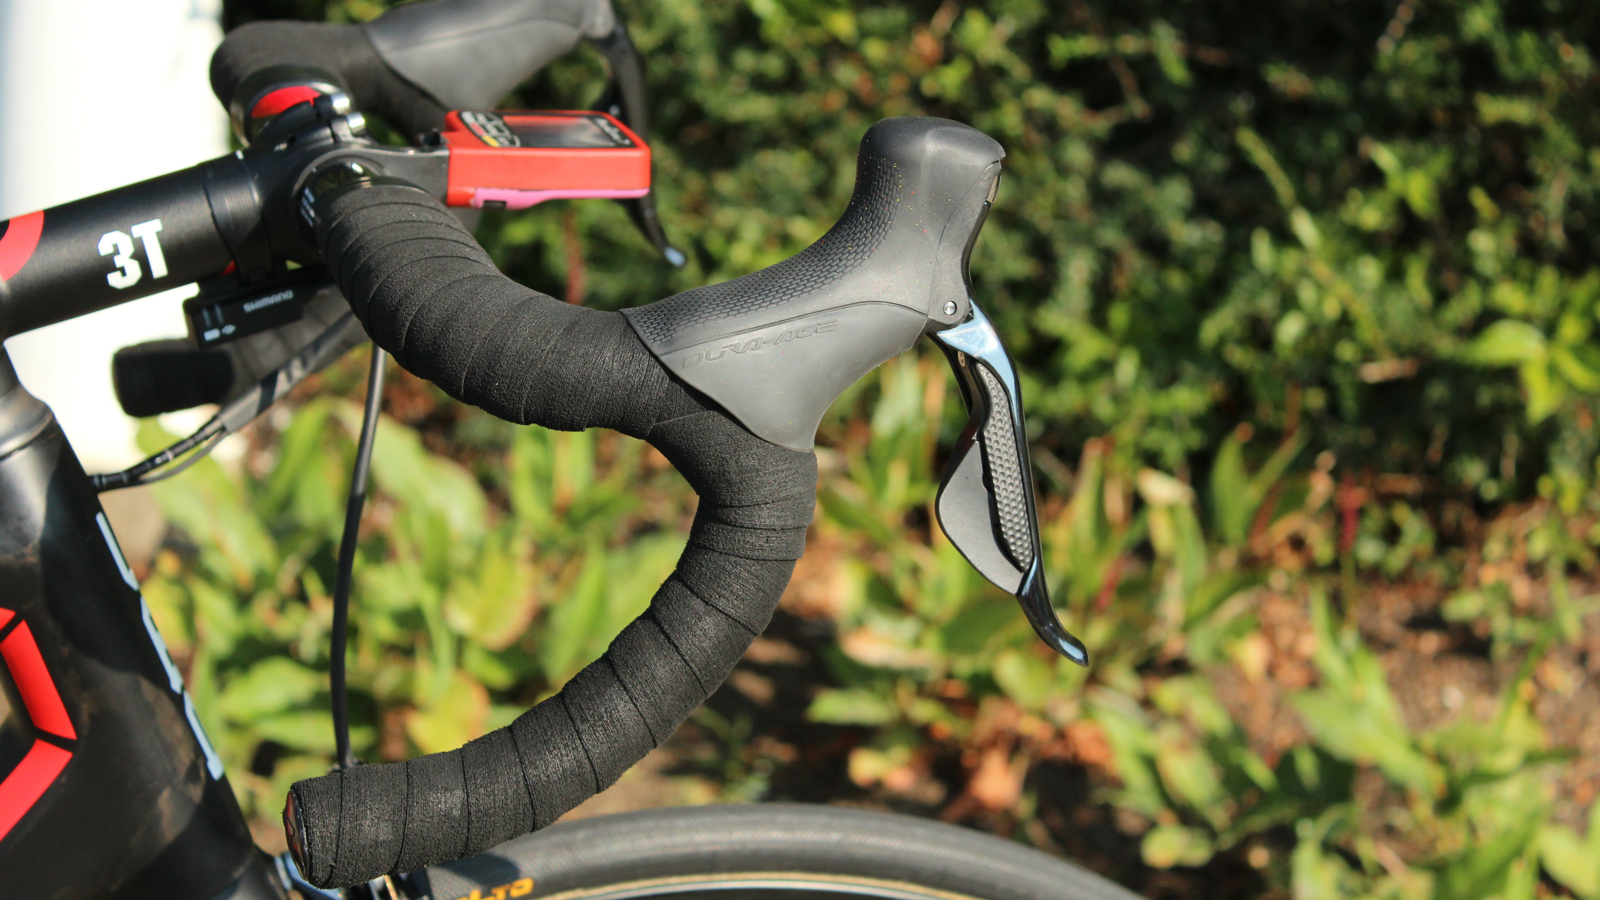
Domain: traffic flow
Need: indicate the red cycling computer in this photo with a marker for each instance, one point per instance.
(513, 160)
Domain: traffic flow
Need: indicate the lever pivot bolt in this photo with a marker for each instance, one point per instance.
(949, 307)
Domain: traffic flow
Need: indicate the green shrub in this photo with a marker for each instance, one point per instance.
(1372, 222)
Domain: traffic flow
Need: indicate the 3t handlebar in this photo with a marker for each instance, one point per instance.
(110, 248)
(792, 336)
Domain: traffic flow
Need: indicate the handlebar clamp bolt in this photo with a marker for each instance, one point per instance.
(353, 124)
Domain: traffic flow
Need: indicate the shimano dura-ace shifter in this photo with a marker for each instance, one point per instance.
(776, 347)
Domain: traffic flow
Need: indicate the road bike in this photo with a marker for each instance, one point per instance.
(313, 237)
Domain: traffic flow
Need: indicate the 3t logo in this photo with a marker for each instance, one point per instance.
(119, 246)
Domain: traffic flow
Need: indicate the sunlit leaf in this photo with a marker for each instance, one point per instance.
(1166, 846)
(1507, 342)
(271, 685)
(852, 707)
(454, 717)
(1570, 860)
(1480, 871)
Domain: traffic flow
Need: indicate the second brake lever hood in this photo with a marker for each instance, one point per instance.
(625, 99)
(468, 54)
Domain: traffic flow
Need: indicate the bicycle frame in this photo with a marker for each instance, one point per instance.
(117, 792)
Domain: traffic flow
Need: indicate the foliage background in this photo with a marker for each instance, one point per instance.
(1303, 294)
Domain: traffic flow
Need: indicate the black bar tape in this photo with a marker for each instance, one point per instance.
(428, 294)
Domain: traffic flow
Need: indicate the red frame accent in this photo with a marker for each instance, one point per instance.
(474, 164)
(21, 239)
(33, 680)
(25, 784)
(28, 782)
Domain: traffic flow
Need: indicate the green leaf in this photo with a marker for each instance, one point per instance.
(1507, 342)
(1025, 678)
(1578, 371)
(1189, 774)
(1216, 590)
(1569, 860)
(1355, 716)
(1161, 489)
(421, 481)
(272, 685)
(1350, 730)
(1166, 846)
(460, 714)
(1066, 49)
(1480, 870)
(1230, 505)
(307, 730)
(1133, 748)
(1316, 874)
(569, 629)
(977, 623)
(1237, 495)
(1256, 148)
(852, 707)
(1169, 50)
(1305, 228)
(493, 601)
(1193, 699)
(1545, 392)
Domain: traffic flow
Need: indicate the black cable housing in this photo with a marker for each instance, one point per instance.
(347, 560)
(206, 438)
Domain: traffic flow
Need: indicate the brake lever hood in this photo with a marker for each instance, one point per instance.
(777, 347)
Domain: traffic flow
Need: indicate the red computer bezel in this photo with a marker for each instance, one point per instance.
(479, 173)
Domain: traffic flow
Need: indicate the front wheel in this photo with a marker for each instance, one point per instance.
(764, 852)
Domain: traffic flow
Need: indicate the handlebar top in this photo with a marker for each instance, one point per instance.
(409, 65)
(418, 61)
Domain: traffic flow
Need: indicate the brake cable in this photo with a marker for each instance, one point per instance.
(206, 438)
(239, 412)
(347, 559)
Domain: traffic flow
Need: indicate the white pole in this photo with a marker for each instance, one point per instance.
(96, 94)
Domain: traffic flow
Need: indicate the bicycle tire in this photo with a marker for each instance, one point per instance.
(765, 852)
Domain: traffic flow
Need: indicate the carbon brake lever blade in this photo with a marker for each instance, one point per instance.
(625, 98)
(985, 503)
